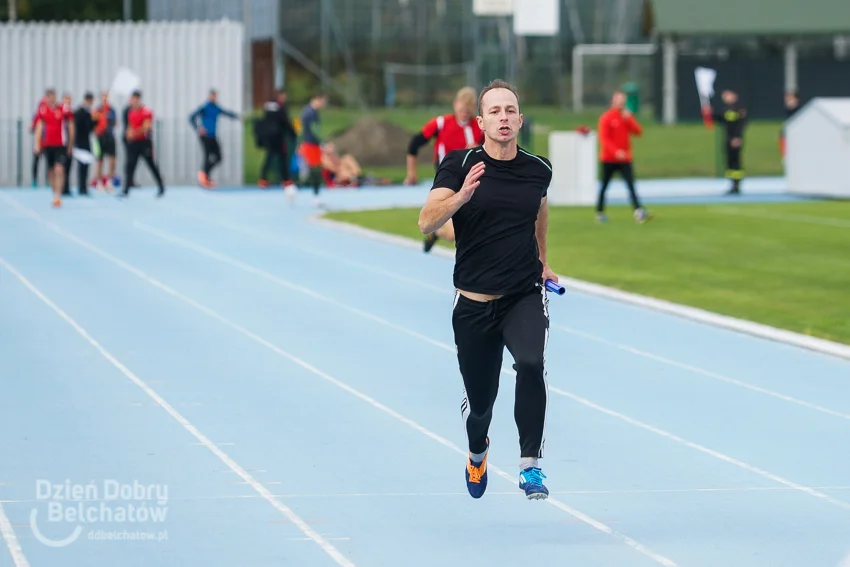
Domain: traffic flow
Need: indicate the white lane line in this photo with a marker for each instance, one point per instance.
(269, 237)
(716, 454)
(277, 280)
(699, 316)
(512, 493)
(507, 371)
(443, 291)
(12, 543)
(702, 371)
(333, 552)
(342, 385)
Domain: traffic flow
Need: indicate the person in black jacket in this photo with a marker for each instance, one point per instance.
(126, 117)
(277, 136)
(83, 127)
(734, 120)
(69, 142)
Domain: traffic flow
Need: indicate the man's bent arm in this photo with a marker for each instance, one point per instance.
(542, 227)
(440, 206)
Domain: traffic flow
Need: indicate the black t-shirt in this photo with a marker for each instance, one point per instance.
(83, 127)
(495, 234)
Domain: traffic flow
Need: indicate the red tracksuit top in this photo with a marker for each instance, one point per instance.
(452, 135)
(614, 134)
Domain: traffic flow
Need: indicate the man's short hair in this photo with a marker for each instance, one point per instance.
(496, 84)
(136, 93)
(88, 96)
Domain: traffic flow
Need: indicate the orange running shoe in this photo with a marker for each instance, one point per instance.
(476, 475)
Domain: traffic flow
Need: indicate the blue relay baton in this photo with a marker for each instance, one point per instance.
(555, 287)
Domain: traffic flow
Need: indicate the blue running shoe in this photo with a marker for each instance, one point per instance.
(476, 476)
(531, 481)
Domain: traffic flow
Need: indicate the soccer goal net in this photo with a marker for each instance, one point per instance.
(599, 69)
(425, 85)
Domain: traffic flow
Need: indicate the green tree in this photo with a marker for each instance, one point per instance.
(71, 10)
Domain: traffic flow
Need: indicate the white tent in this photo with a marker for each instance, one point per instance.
(817, 159)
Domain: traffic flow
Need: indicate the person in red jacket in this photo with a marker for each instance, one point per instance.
(455, 131)
(616, 126)
(52, 142)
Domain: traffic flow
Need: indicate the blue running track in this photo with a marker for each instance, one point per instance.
(288, 392)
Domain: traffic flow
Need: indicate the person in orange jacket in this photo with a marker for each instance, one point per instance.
(616, 126)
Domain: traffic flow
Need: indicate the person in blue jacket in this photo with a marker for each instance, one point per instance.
(208, 114)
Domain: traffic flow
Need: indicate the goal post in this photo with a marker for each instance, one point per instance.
(622, 62)
(425, 85)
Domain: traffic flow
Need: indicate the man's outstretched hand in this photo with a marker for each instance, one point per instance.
(471, 182)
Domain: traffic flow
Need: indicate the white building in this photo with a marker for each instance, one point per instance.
(176, 64)
(817, 160)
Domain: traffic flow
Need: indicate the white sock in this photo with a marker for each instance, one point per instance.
(527, 462)
(477, 457)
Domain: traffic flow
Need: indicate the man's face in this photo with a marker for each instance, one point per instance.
(213, 97)
(500, 117)
(791, 100)
(462, 111)
(66, 100)
(281, 98)
(618, 100)
(51, 99)
(104, 99)
(730, 97)
(135, 101)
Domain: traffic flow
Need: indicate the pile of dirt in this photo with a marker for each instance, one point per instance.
(378, 143)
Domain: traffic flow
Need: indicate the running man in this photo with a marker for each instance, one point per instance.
(140, 143)
(452, 132)
(105, 119)
(497, 195)
(208, 114)
(51, 142)
(311, 142)
(616, 127)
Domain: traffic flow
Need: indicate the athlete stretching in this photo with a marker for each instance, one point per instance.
(455, 131)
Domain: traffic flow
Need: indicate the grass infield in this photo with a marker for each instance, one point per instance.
(684, 150)
(786, 264)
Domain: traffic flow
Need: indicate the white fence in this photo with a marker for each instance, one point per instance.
(177, 63)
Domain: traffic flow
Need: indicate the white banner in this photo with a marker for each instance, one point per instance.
(493, 7)
(704, 78)
(537, 17)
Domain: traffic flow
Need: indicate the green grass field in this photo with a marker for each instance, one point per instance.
(785, 265)
(684, 150)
